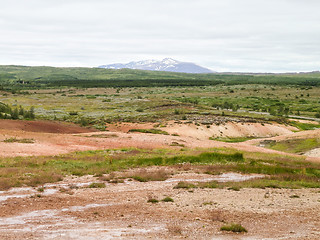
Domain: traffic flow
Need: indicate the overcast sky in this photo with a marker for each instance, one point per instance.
(223, 35)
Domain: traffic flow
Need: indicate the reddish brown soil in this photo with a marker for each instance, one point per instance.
(42, 126)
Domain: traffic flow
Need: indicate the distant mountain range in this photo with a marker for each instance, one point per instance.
(167, 64)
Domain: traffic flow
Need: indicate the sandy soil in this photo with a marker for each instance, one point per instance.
(313, 153)
(70, 210)
(203, 132)
(304, 121)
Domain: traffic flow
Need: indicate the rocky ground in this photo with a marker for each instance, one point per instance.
(71, 210)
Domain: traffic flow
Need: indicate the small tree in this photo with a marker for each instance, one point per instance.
(21, 111)
(15, 114)
(32, 115)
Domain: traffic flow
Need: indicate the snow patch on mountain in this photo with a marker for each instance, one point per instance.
(167, 64)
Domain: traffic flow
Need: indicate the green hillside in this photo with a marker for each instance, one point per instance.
(24, 77)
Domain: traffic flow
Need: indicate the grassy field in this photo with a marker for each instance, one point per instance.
(296, 145)
(96, 106)
(91, 96)
(280, 171)
(94, 97)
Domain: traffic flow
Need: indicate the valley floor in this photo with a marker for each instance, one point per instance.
(71, 210)
(75, 209)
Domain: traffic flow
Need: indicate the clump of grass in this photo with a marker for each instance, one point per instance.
(41, 189)
(296, 145)
(304, 126)
(112, 135)
(176, 144)
(167, 199)
(23, 140)
(184, 185)
(237, 228)
(97, 185)
(268, 182)
(153, 131)
(152, 200)
(146, 176)
(212, 184)
(117, 180)
(234, 188)
(231, 139)
(294, 196)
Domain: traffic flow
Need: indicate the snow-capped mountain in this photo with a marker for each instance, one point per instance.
(167, 64)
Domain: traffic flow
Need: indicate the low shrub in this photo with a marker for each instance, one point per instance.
(233, 228)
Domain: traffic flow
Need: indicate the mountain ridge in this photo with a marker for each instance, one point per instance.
(167, 64)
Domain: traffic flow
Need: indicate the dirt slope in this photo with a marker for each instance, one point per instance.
(203, 132)
(42, 126)
(59, 143)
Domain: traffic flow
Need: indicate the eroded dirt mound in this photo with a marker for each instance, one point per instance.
(204, 132)
(42, 126)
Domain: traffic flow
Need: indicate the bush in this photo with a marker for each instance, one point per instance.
(153, 200)
(233, 228)
(167, 199)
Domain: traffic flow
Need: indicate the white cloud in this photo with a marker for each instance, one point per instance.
(224, 35)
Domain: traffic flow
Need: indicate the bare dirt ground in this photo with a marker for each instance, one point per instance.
(203, 132)
(52, 138)
(42, 126)
(70, 210)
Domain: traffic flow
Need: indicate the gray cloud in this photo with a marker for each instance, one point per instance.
(228, 35)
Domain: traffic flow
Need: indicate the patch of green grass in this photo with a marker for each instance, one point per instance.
(23, 140)
(176, 144)
(152, 200)
(284, 171)
(153, 131)
(274, 182)
(146, 176)
(296, 145)
(167, 199)
(304, 126)
(237, 228)
(232, 140)
(234, 188)
(97, 185)
(139, 179)
(184, 185)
